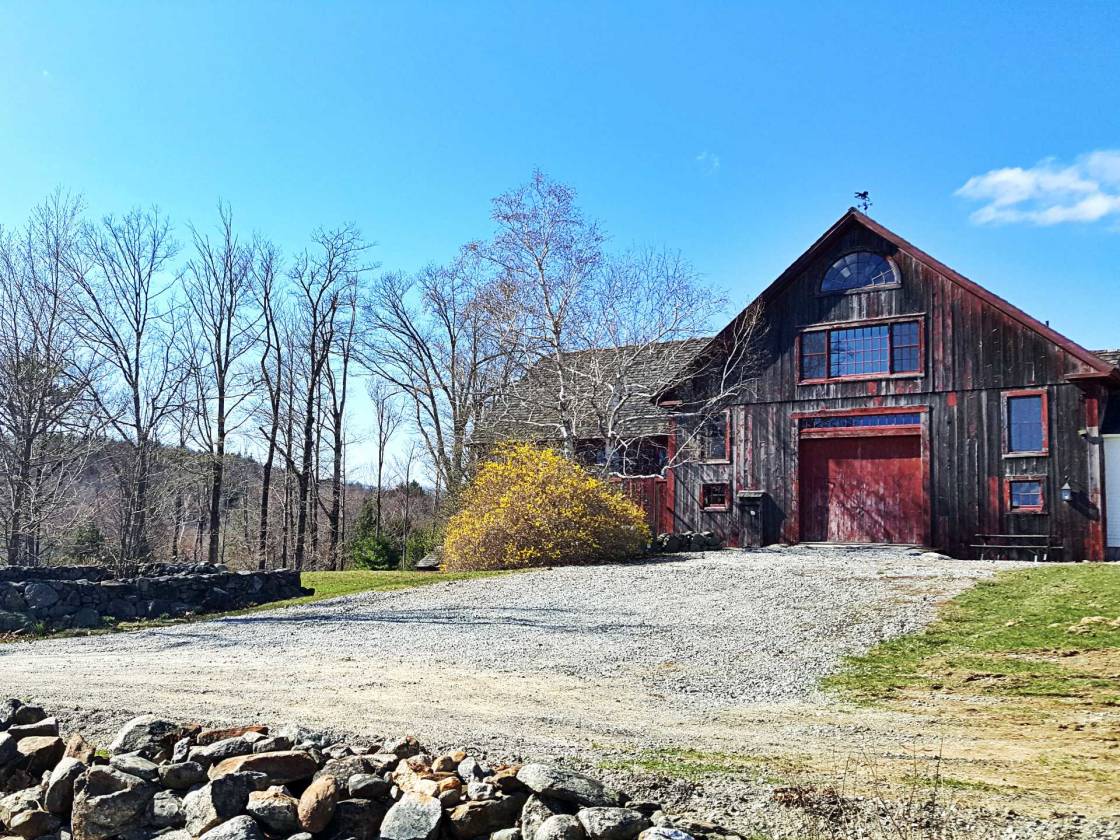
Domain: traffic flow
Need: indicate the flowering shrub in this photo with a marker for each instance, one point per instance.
(533, 507)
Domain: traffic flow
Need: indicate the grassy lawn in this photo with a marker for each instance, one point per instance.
(337, 584)
(1051, 631)
(1014, 689)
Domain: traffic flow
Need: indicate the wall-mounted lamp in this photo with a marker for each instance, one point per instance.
(1067, 493)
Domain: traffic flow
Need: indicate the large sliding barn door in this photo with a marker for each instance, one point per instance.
(862, 489)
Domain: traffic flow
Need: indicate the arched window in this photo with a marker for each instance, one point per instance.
(861, 270)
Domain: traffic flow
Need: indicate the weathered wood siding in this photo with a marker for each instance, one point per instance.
(973, 352)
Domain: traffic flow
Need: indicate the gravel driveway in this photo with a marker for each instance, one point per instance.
(536, 662)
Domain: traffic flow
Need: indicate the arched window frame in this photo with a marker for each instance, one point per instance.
(861, 290)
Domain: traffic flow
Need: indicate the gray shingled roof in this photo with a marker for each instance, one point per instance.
(528, 411)
(1110, 356)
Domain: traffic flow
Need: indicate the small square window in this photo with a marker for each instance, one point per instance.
(714, 496)
(1024, 494)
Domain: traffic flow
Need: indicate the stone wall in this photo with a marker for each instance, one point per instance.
(51, 596)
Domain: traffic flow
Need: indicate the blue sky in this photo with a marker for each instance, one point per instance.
(735, 132)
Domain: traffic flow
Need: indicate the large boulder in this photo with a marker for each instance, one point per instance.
(87, 618)
(560, 827)
(40, 752)
(45, 727)
(27, 799)
(316, 805)
(135, 764)
(107, 801)
(166, 810)
(566, 785)
(60, 785)
(533, 815)
(474, 819)
(14, 622)
(79, 748)
(212, 736)
(32, 824)
(39, 595)
(26, 714)
(275, 809)
(8, 751)
(661, 832)
(8, 712)
(280, 767)
(221, 750)
(367, 786)
(243, 827)
(218, 801)
(147, 734)
(182, 775)
(413, 817)
(356, 819)
(612, 823)
(347, 766)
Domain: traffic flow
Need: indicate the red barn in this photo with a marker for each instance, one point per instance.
(896, 401)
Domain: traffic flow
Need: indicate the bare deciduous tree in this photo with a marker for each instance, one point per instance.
(225, 320)
(321, 276)
(129, 320)
(598, 334)
(47, 426)
(275, 371)
(387, 417)
(434, 339)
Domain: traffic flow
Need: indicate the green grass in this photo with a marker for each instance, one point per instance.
(1008, 635)
(337, 584)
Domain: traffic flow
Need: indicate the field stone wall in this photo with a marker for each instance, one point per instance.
(55, 598)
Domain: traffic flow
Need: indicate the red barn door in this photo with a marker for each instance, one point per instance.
(862, 489)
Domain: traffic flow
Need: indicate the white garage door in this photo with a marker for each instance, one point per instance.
(1112, 488)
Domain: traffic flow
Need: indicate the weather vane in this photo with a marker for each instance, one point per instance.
(864, 199)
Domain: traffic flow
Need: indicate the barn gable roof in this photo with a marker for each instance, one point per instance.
(1099, 366)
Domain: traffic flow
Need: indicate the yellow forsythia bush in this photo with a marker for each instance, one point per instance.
(530, 506)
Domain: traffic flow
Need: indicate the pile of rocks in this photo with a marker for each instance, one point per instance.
(161, 779)
(687, 541)
(65, 602)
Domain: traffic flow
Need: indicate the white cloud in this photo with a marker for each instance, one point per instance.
(709, 162)
(1049, 193)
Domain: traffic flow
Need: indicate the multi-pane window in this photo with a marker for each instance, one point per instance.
(714, 438)
(713, 496)
(862, 351)
(1026, 427)
(905, 347)
(814, 355)
(861, 421)
(860, 270)
(1024, 494)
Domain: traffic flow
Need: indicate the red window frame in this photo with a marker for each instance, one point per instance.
(829, 329)
(1045, 420)
(705, 505)
(1035, 509)
(726, 457)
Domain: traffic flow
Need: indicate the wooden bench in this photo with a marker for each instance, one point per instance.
(1039, 546)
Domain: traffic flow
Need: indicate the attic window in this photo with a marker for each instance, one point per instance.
(860, 270)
